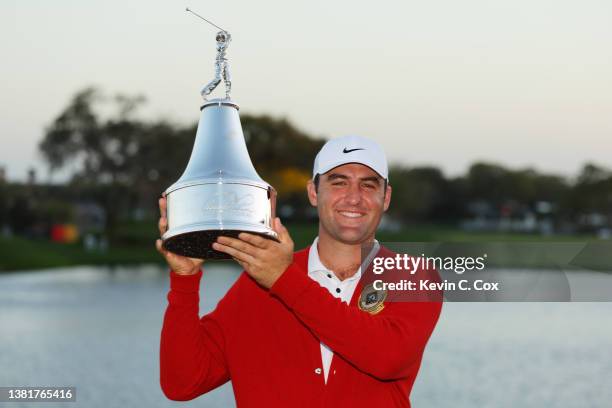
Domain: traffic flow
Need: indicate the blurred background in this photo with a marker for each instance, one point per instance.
(495, 117)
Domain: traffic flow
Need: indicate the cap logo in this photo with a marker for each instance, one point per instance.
(351, 150)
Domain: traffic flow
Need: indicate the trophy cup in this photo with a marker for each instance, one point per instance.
(219, 193)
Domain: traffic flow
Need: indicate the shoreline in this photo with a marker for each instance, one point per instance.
(19, 254)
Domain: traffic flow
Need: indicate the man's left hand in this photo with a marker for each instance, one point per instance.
(263, 259)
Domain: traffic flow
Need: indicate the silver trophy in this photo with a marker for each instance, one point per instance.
(220, 193)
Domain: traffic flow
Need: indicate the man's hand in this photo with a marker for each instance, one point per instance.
(179, 264)
(263, 259)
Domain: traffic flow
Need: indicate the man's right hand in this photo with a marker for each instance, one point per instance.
(181, 265)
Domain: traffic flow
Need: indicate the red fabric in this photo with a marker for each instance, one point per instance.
(267, 343)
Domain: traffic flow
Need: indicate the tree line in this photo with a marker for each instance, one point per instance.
(124, 163)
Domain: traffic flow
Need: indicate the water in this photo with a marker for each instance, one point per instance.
(98, 329)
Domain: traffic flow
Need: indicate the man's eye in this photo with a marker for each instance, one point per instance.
(369, 186)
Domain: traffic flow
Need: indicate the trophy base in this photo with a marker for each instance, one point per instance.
(198, 244)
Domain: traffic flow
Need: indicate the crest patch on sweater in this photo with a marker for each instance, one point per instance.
(372, 300)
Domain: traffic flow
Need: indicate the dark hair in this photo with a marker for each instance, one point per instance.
(316, 182)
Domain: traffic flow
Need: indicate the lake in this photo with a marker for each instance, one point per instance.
(98, 328)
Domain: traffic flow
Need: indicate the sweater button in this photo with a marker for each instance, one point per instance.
(318, 371)
(334, 372)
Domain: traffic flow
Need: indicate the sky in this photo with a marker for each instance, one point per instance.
(439, 82)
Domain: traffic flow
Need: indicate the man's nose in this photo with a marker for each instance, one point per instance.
(353, 194)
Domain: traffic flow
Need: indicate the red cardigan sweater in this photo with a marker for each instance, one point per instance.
(268, 343)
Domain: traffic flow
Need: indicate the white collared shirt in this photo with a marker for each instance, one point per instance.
(341, 289)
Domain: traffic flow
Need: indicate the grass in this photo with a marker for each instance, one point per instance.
(19, 253)
(134, 244)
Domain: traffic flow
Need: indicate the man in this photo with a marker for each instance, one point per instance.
(295, 330)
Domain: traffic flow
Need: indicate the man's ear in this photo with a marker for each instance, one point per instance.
(387, 197)
(312, 193)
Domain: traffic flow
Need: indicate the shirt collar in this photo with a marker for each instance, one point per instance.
(315, 265)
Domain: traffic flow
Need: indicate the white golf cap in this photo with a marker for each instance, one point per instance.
(351, 149)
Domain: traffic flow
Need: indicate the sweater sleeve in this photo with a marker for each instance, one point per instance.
(192, 356)
(384, 345)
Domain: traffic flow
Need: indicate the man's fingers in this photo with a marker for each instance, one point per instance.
(162, 207)
(163, 219)
(238, 244)
(233, 252)
(244, 265)
(162, 224)
(254, 240)
(160, 248)
(283, 234)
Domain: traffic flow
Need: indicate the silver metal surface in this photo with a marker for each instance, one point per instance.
(220, 193)
(222, 67)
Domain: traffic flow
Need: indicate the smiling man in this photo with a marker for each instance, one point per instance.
(301, 329)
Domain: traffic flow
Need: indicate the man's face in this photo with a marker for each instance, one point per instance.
(350, 201)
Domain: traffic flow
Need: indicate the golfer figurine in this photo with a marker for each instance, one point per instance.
(222, 69)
